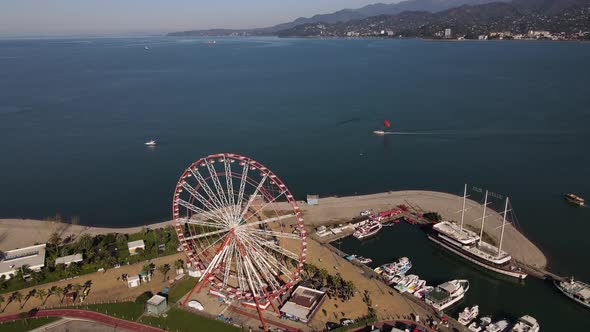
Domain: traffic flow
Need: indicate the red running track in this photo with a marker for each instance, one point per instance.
(88, 315)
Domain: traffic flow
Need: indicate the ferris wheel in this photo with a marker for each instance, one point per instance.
(241, 227)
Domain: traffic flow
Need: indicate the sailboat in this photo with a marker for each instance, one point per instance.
(470, 245)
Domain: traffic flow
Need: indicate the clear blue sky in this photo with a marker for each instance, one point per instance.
(62, 17)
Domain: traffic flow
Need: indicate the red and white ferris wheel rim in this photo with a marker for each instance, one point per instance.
(244, 231)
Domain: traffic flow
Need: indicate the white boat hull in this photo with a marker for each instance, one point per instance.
(518, 275)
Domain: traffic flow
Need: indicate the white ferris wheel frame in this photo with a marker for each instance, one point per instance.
(228, 236)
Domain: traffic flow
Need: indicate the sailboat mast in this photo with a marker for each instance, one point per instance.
(483, 217)
(463, 209)
(503, 224)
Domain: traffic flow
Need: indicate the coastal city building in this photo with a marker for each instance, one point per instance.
(67, 260)
(13, 260)
(134, 245)
(448, 33)
(303, 304)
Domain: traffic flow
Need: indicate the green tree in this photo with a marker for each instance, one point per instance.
(18, 297)
(2, 300)
(73, 269)
(323, 275)
(164, 269)
(350, 288)
(41, 295)
(178, 264)
(146, 269)
(77, 287)
(55, 240)
(85, 242)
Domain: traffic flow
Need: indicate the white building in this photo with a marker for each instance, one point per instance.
(133, 281)
(67, 260)
(134, 245)
(448, 33)
(12, 260)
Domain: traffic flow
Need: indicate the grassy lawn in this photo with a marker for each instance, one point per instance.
(26, 324)
(180, 289)
(181, 320)
(124, 310)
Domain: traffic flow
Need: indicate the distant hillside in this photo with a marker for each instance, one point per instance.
(519, 16)
(345, 15)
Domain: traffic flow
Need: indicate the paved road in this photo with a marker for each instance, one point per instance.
(88, 315)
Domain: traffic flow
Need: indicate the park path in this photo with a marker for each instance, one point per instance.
(87, 315)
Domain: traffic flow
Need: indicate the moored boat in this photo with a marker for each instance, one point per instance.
(526, 323)
(499, 326)
(421, 293)
(150, 143)
(447, 294)
(363, 260)
(403, 265)
(469, 245)
(406, 282)
(367, 230)
(468, 315)
(575, 290)
(483, 322)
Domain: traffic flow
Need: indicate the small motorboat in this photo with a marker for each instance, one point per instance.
(150, 143)
(421, 293)
(483, 322)
(499, 326)
(574, 199)
(379, 132)
(363, 260)
(468, 315)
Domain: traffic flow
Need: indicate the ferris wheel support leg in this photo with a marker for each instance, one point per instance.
(191, 293)
(260, 314)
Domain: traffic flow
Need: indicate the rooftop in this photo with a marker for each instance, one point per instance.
(302, 303)
(69, 259)
(156, 300)
(33, 256)
(135, 244)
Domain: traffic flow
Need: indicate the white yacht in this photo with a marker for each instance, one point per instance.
(499, 326)
(468, 315)
(420, 293)
(526, 324)
(419, 284)
(447, 294)
(150, 143)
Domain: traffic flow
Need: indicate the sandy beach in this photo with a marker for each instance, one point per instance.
(15, 233)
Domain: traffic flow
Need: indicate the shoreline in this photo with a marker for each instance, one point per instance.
(18, 233)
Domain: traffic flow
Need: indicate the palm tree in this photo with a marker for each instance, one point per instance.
(54, 239)
(323, 275)
(63, 292)
(178, 264)
(41, 295)
(17, 296)
(349, 288)
(85, 242)
(76, 287)
(52, 290)
(2, 301)
(164, 269)
(146, 269)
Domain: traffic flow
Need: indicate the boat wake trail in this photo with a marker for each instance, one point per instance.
(406, 133)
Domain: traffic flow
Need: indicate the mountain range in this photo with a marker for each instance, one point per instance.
(344, 15)
(566, 17)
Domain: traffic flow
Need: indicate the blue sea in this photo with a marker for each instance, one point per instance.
(512, 117)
